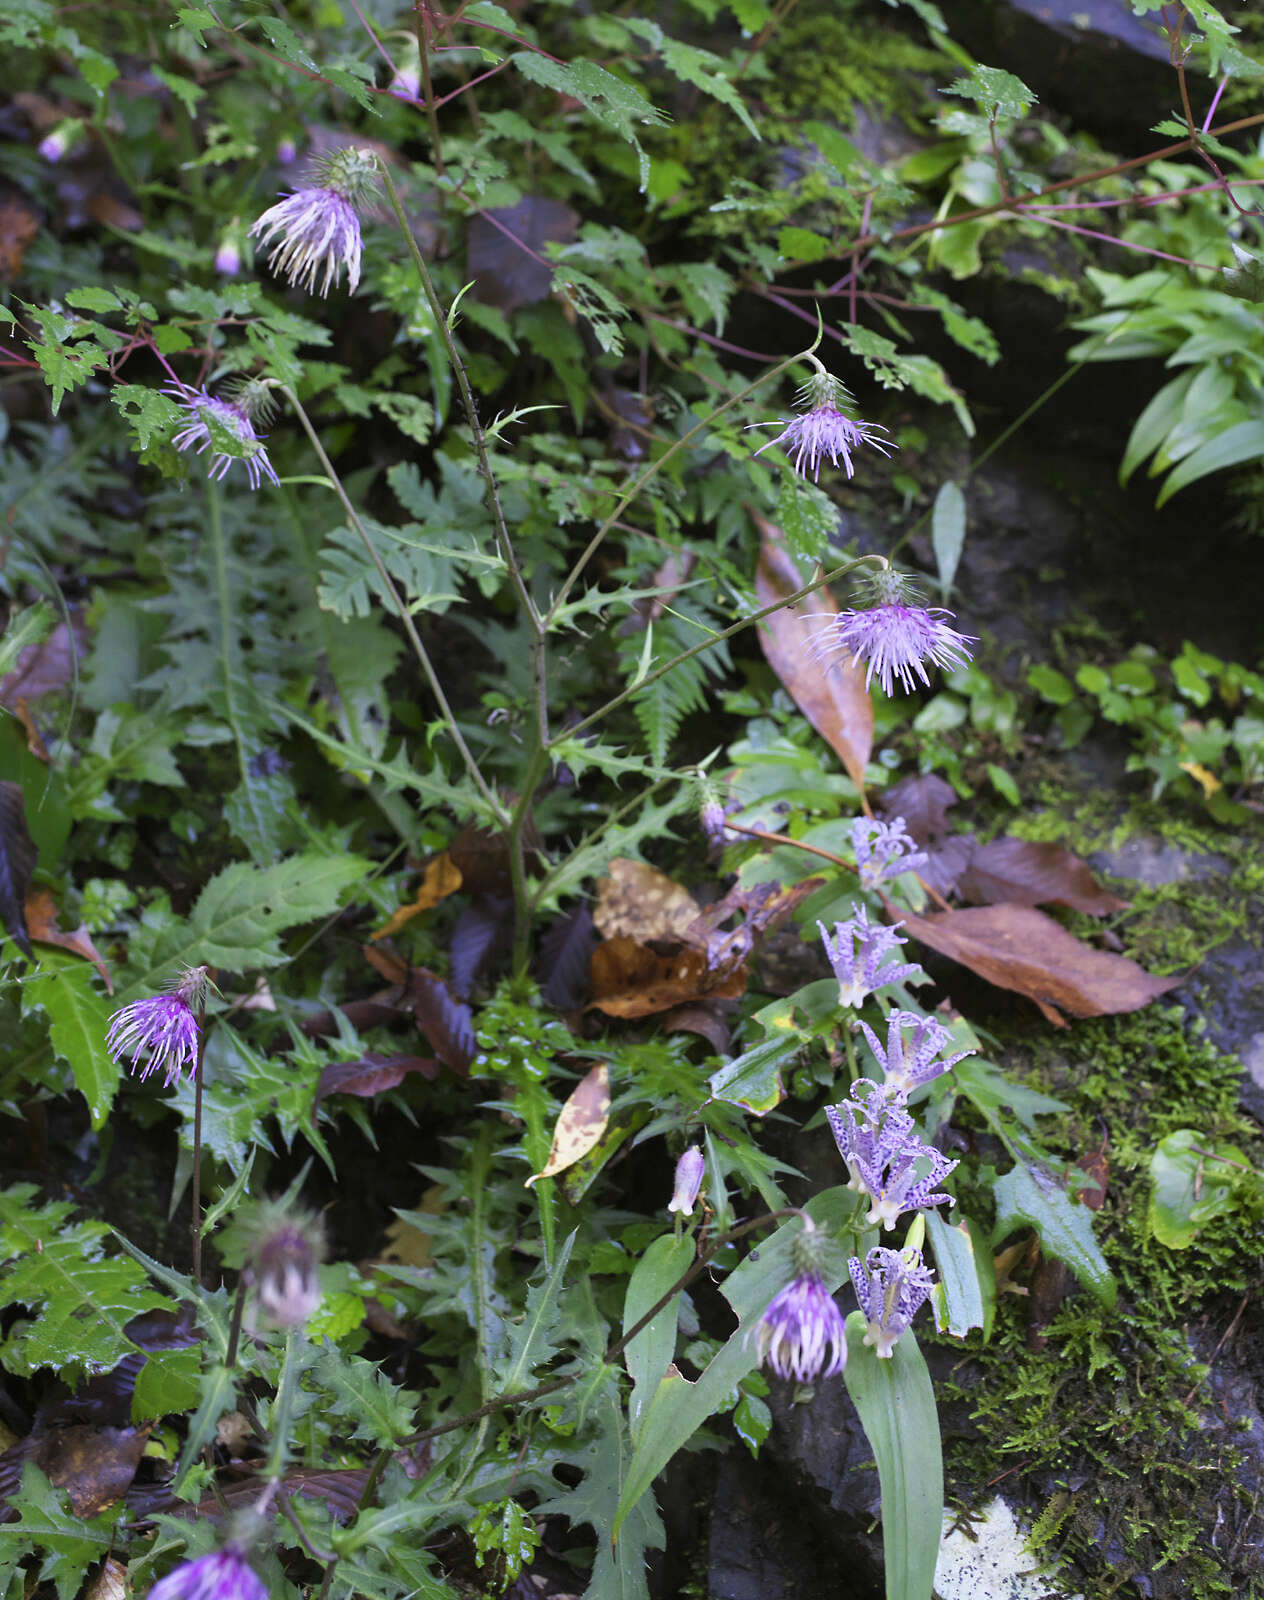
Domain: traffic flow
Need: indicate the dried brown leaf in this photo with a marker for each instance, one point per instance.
(1024, 872)
(18, 226)
(923, 801)
(442, 877)
(17, 863)
(44, 668)
(630, 981)
(636, 901)
(41, 921)
(372, 1075)
(831, 696)
(1019, 948)
(580, 1124)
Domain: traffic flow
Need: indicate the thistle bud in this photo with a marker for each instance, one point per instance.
(689, 1171)
(285, 1249)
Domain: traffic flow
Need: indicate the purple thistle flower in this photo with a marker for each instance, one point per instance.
(57, 144)
(859, 967)
(894, 636)
(225, 1575)
(318, 226)
(910, 1062)
(883, 850)
(800, 1326)
(882, 1154)
(689, 1171)
(286, 151)
(162, 1032)
(822, 429)
(231, 415)
(406, 84)
(891, 1288)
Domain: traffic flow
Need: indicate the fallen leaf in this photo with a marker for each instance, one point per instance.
(95, 1466)
(764, 906)
(17, 863)
(1026, 873)
(484, 926)
(1207, 779)
(630, 981)
(372, 1075)
(44, 668)
(41, 922)
(563, 962)
(1019, 948)
(703, 1019)
(110, 1583)
(831, 695)
(923, 801)
(504, 273)
(636, 901)
(18, 226)
(448, 1023)
(34, 738)
(442, 877)
(581, 1123)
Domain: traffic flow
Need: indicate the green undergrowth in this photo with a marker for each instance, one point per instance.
(1111, 1427)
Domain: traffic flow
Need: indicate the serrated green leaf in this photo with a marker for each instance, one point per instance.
(93, 298)
(67, 989)
(530, 1335)
(147, 410)
(219, 1394)
(240, 914)
(1032, 1196)
(167, 1385)
(69, 1543)
(381, 1410)
(80, 1300)
(617, 104)
(30, 626)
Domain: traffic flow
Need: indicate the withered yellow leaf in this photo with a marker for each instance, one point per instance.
(581, 1123)
(442, 878)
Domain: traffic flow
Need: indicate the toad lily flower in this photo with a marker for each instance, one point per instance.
(883, 850)
(857, 951)
(911, 1057)
(875, 1137)
(891, 1288)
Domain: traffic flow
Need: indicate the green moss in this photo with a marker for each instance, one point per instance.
(1169, 927)
(1108, 1421)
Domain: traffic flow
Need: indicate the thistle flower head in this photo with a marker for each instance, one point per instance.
(894, 634)
(283, 1251)
(891, 1288)
(823, 429)
(802, 1333)
(224, 1575)
(689, 1172)
(883, 850)
(317, 228)
(875, 1138)
(160, 1034)
(911, 1057)
(857, 951)
(224, 425)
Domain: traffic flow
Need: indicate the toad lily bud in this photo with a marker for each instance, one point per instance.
(689, 1171)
